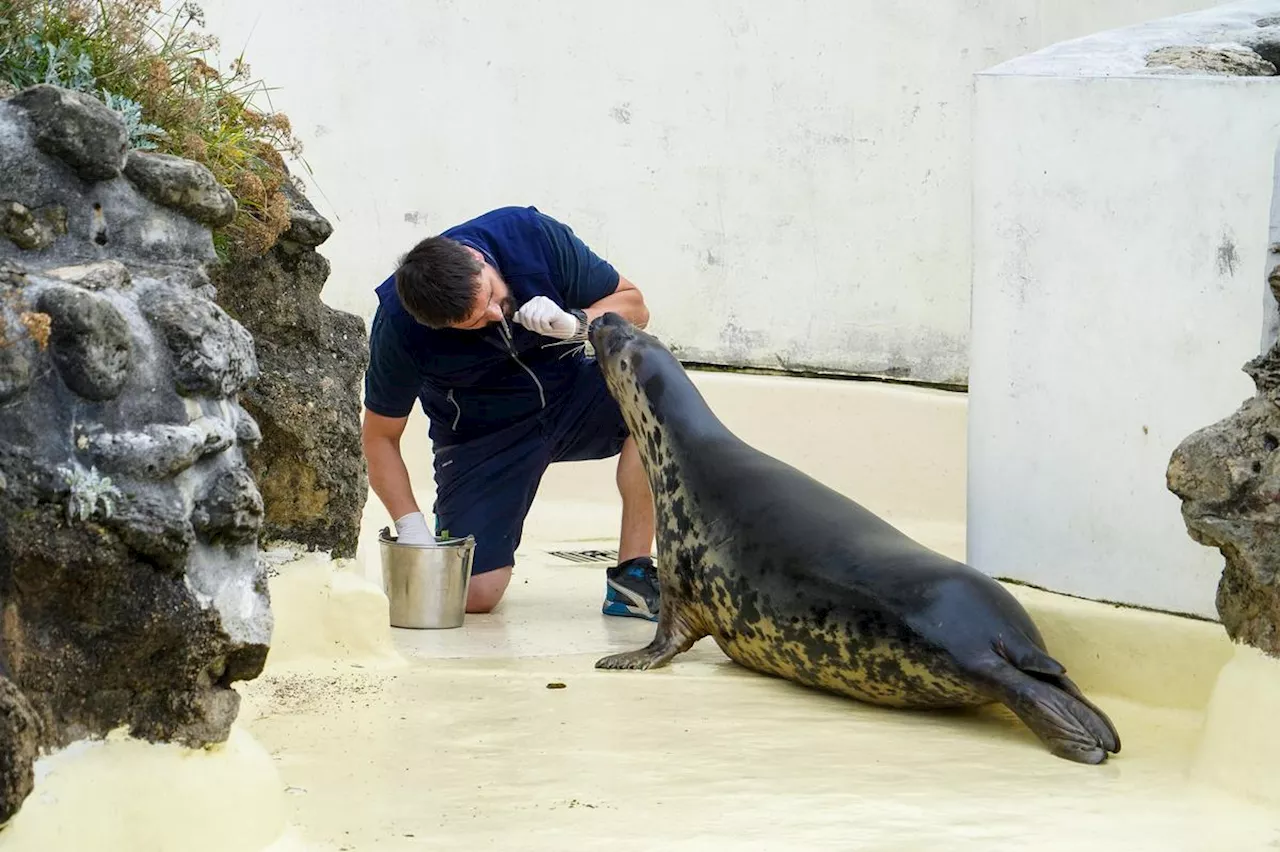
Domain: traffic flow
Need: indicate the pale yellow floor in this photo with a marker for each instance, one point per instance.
(466, 747)
(360, 737)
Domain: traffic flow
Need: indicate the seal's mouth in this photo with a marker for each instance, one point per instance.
(609, 334)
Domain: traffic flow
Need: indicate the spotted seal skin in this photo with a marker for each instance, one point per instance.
(793, 579)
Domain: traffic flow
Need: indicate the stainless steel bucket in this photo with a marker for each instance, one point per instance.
(426, 584)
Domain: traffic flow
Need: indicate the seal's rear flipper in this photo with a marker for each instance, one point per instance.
(1055, 710)
(1033, 660)
(1028, 656)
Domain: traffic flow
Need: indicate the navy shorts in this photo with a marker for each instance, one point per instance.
(485, 487)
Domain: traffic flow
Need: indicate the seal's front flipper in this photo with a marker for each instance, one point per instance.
(1053, 708)
(651, 656)
(674, 636)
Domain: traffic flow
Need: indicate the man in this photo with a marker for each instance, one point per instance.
(484, 326)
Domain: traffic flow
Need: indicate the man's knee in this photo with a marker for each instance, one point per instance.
(487, 589)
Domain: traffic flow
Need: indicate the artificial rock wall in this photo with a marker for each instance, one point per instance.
(307, 400)
(131, 594)
(1227, 476)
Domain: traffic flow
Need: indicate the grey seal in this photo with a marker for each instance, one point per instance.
(793, 579)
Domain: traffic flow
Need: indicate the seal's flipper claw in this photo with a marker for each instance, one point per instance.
(645, 658)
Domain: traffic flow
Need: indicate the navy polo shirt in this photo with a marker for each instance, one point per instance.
(473, 382)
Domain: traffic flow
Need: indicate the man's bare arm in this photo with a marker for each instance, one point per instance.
(388, 476)
(626, 301)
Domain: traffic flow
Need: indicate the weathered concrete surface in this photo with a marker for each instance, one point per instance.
(1114, 300)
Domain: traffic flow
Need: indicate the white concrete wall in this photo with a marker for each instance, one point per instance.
(1120, 247)
(900, 451)
(788, 182)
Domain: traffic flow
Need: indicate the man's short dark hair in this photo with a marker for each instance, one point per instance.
(437, 282)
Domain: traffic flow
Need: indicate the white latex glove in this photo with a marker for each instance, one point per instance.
(545, 317)
(413, 529)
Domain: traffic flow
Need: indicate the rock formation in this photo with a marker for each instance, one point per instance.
(1227, 61)
(1265, 40)
(1227, 476)
(130, 589)
(310, 463)
(1252, 51)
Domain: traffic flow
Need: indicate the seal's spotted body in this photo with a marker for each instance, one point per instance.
(792, 579)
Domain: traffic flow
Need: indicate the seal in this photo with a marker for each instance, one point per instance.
(792, 579)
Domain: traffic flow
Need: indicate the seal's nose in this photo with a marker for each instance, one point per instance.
(607, 333)
(606, 320)
(605, 327)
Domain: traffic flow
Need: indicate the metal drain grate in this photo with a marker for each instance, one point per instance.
(586, 556)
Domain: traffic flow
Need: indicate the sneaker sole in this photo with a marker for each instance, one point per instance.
(622, 610)
(631, 604)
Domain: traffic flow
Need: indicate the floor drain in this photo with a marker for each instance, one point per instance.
(585, 556)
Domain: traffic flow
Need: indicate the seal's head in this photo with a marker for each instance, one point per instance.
(649, 382)
(627, 354)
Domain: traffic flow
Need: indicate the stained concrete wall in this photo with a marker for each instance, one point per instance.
(1120, 247)
(899, 451)
(788, 182)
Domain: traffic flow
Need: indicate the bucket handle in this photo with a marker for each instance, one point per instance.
(467, 542)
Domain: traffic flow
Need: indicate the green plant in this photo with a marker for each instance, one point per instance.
(89, 489)
(142, 134)
(152, 66)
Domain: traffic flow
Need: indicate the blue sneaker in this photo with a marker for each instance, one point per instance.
(632, 589)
